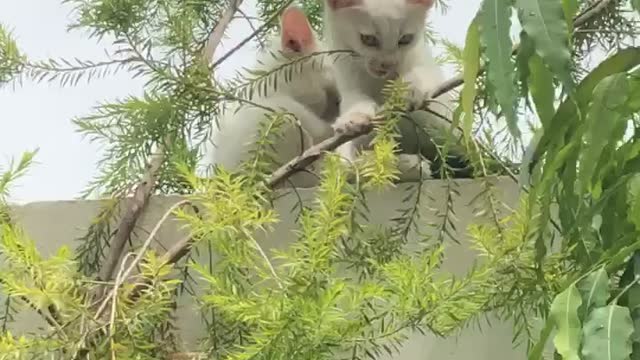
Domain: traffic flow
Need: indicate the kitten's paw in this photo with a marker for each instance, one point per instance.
(353, 123)
(418, 98)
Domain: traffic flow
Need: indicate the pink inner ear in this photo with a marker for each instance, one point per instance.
(296, 32)
(339, 4)
(427, 3)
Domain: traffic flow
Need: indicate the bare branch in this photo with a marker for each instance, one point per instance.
(137, 204)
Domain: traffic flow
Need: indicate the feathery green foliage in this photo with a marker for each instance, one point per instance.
(566, 255)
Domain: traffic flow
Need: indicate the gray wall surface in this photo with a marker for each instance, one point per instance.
(57, 223)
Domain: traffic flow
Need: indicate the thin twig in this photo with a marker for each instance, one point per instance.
(255, 33)
(137, 204)
(138, 258)
(114, 306)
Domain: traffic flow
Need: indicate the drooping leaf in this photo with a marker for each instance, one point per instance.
(629, 282)
(544, 22)
(607, 334)
(542, 195)
(603, 117)
(495, 26)
(538, 349)
(564, 311)
(633, 104)
(631, 298)
(633, 200)
(471, 61)
(525, 51)
(594, 290)
(542, 91)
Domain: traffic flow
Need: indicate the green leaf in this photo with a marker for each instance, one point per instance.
(607, 334)
(623, 60)
(544, 22)
(633, 104)
(542, 90)
(471, 62)
(564, 311)
(603, 118)
(538, 348)
(525, 51)
(495, 20)
(570, 8)
(633, 200)
(594, 290)
(636, 5)
(629, 283)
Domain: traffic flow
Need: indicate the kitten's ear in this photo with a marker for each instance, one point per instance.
(339, 4)
(296, 33)
(427, 3)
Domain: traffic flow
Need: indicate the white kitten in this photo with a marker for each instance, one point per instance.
(388, 36)
(311, 96)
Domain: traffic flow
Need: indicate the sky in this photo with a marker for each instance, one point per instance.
(39, 115)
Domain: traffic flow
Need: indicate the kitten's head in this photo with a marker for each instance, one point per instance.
(316, 86)
(381, 31)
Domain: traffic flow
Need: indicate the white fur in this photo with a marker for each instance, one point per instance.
(360, 79)
(310, 96)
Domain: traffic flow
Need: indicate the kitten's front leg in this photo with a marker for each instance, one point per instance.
(423, 80)
(358, 114)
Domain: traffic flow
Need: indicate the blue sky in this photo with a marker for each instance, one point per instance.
(38, 115)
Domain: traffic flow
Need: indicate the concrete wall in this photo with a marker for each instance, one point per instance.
(53, 224)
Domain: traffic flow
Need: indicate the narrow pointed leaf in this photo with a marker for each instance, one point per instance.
(594, 290)
(603, 119)
(544, 22)
(542, 90)
(525, 51)
(629, 279)
(570, 8)
(495, 25)
(538, 348)
(623, 60)
(607, 334)
(564, 311)
(471, 61)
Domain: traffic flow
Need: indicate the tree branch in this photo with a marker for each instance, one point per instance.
(215, 37)
(137, 204)
(182, 248)
(143, 190)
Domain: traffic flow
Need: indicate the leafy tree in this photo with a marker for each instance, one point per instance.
(343, 288)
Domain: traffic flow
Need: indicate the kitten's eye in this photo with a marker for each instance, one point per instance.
(369, 40)
(405, 40)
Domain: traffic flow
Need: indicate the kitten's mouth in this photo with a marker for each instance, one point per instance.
(381, 73)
